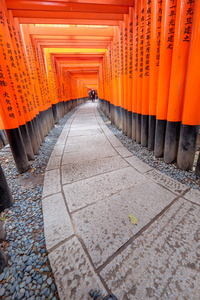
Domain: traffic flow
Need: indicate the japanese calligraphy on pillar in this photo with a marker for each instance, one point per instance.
(131, 50)
(125, 51)
(136, 43)
(115, 60)
(122, 52)
(159, 20)
(147, 39)
(172, 15)
(141, 44)
(188, 21)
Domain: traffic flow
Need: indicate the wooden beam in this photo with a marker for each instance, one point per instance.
(26, 20)
(32, 5)
(75, 31)
(103, 2)
(66, 15)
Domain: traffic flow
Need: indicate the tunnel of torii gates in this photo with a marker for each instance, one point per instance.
(142, 57)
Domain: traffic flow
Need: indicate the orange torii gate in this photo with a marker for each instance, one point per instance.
(142, 64)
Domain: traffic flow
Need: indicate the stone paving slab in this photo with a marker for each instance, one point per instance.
(88, 154)
(54, 163)
(83, 170)
(51, 182)
(163, 263)
(105, 226)
(85, 132)
(72, 147)
(123, 151)
(193, 195)
(57, 224)
(58, 150)
(138, 164)
(99, 138)
(73, 272)
(173, 185)
(84, 192)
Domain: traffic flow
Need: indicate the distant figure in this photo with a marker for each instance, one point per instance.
(93, 95)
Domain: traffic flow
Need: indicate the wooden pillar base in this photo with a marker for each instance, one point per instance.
(18, 150)
(171, 141)
(187, 146)
(144, 130)
(151, 132)
(160, 138)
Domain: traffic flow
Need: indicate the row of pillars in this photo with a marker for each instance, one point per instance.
(25, 142)
(149, 81)
(148, 131)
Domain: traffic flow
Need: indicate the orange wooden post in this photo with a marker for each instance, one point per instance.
(146, 74)
(117, 78)
(125, 65)
(134, 72)
(121, 66)
(156, 17)
(167, 41)
(11, 110)
(140, 67)
(136, 66)
(130, 72)
(183, 29)
(191, 108)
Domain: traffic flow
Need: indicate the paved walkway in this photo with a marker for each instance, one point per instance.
(92, 184)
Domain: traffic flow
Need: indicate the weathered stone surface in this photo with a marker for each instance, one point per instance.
(171, 184)
(62, 138)
(57, 224)
(138, 164)
(58, 150)
(105, 226)
(85, 132)
(51, 182)
(73, 272)
(123, 151)
(193, 195)
(54, 163)
(84, 192)
(88, 154)
(99, 138)
(113, 140)
(163, 262)
(91, 145)
(79, 171)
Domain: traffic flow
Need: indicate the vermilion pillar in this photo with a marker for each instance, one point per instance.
(191, 108)
(183, 29)
(166, 50)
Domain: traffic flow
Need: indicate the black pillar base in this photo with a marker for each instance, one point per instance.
(55, 113)
(151, 132)
(118, 116)
(187, 146)
(27, 142)
(134, 121)
(124, 128)
(160, 138)
(129, 124)
(138, 129)
(18, 150)
(33, 137)
(197, 170)
(171, 141)
(6, 199)
(112, 113)
(144, 130)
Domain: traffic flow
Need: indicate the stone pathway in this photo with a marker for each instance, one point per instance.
(92, 183)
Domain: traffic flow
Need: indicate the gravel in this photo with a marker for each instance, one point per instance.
(28, 274)
(186, 177)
